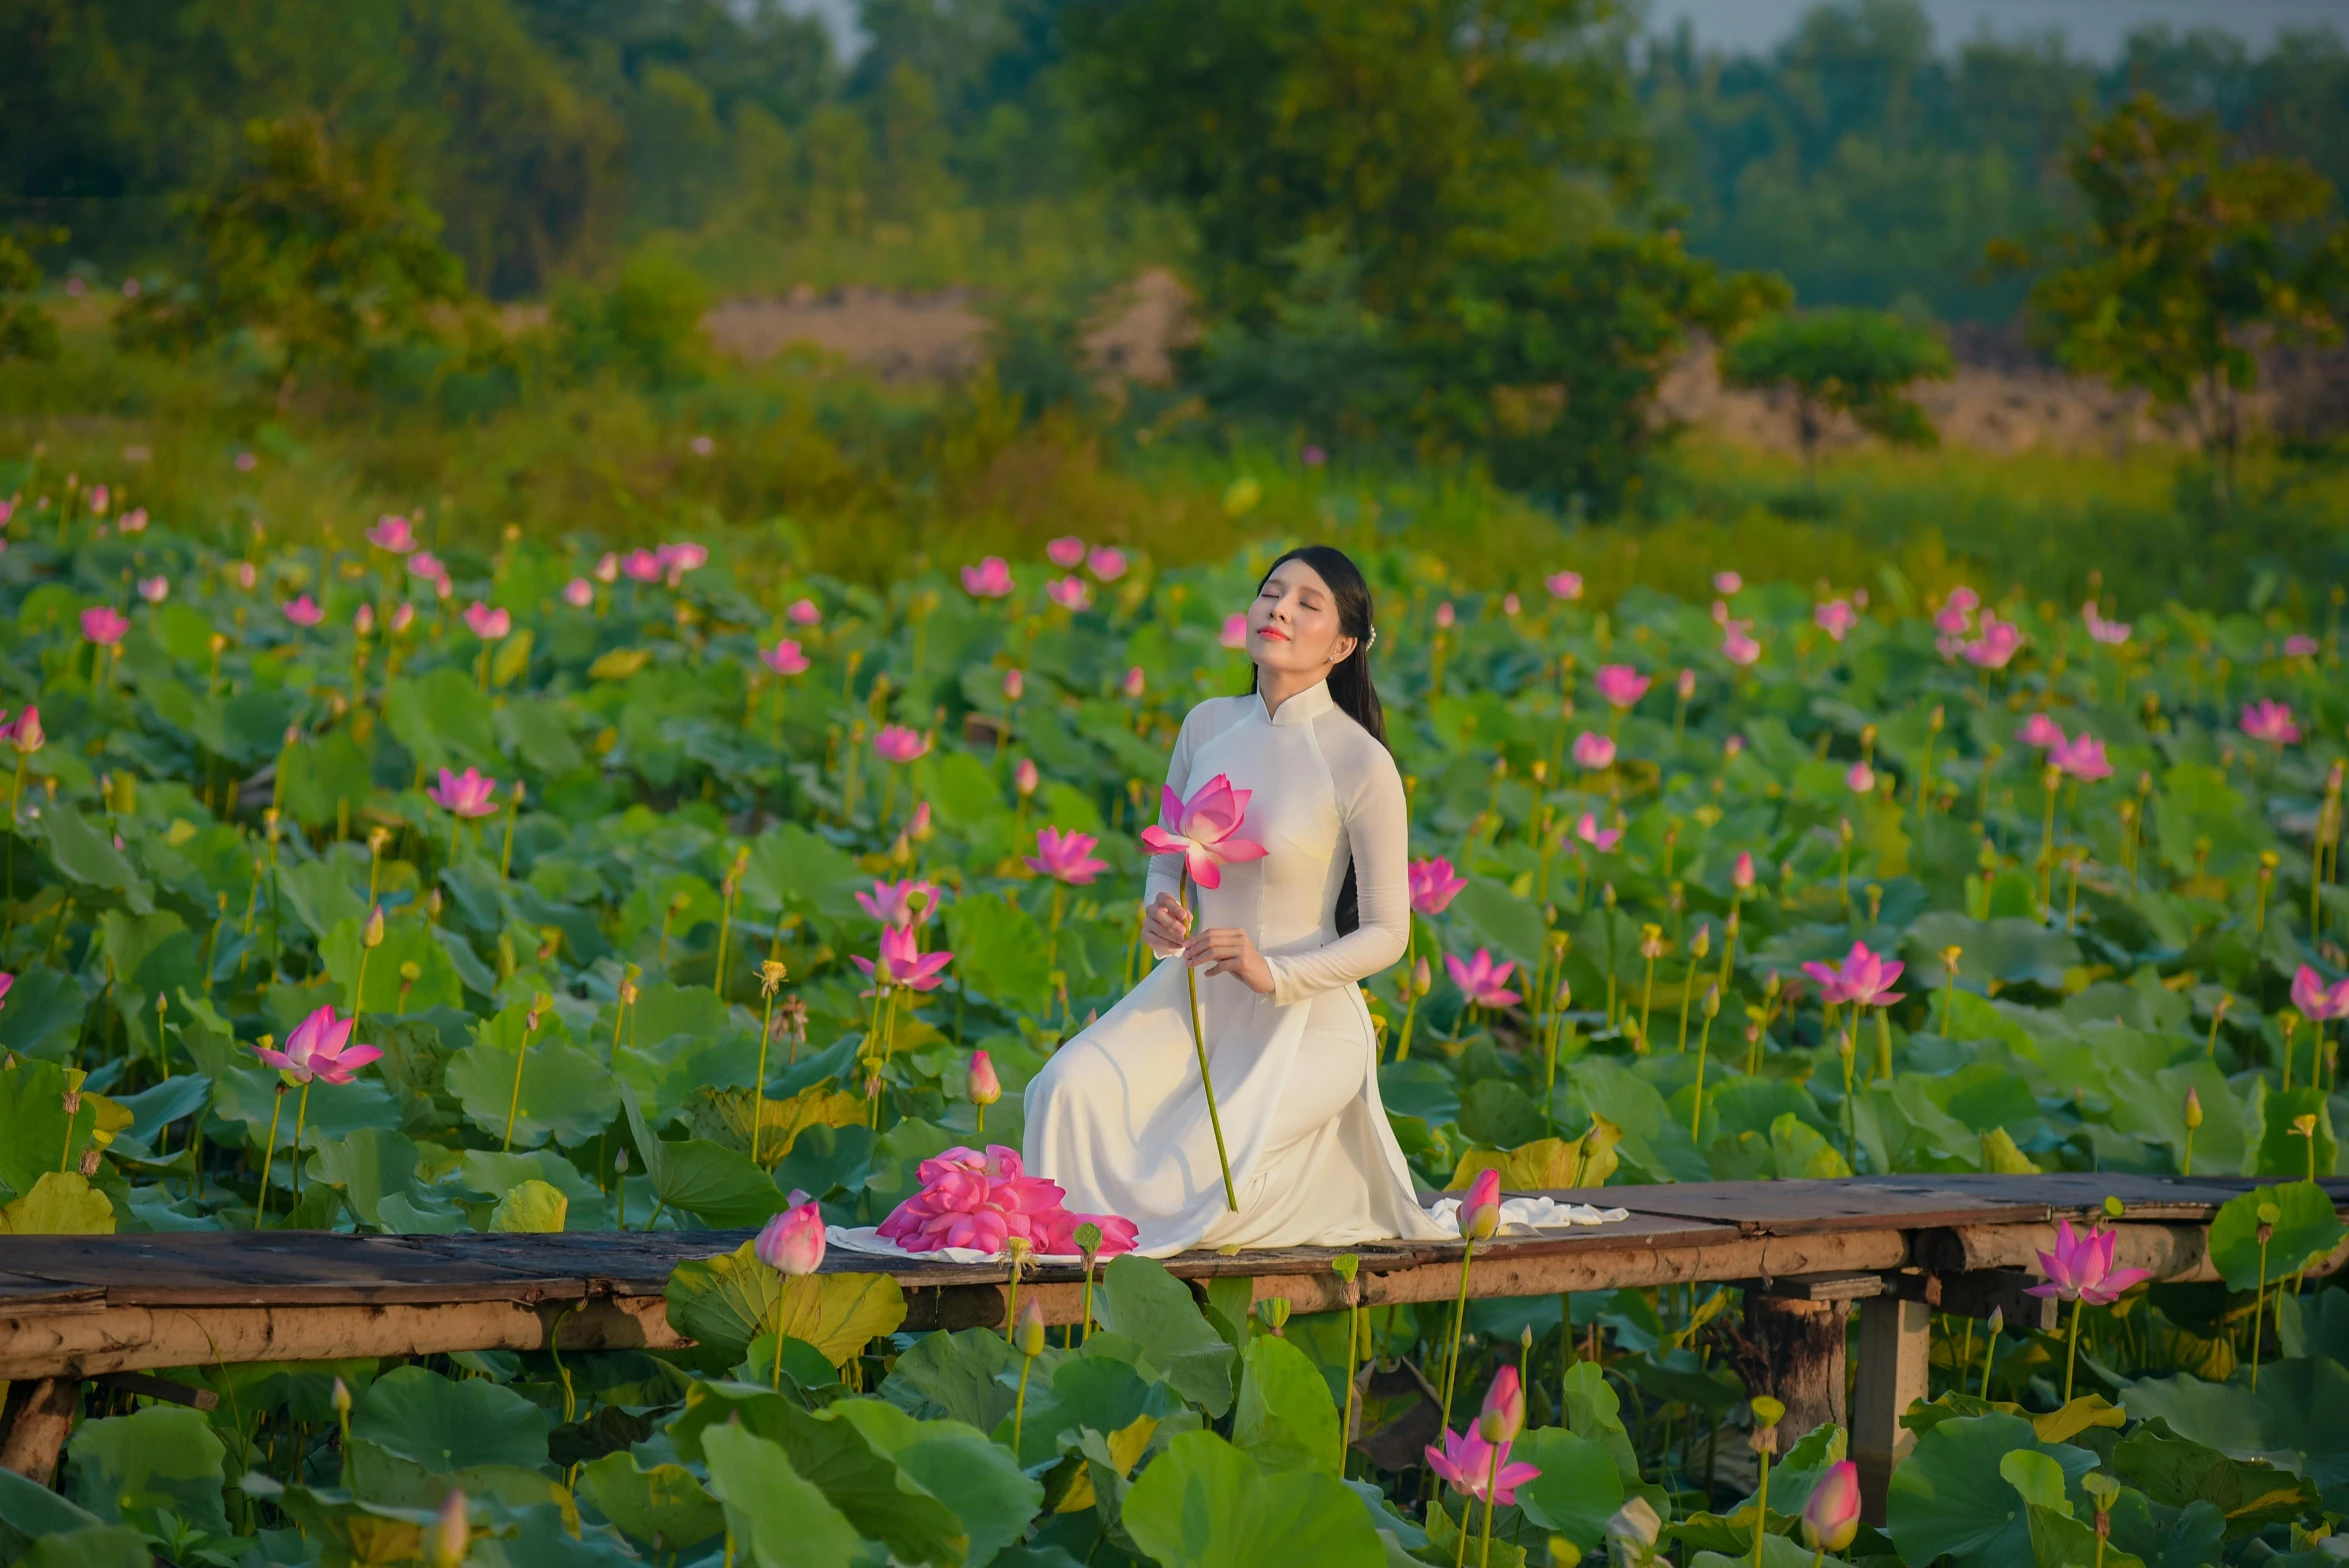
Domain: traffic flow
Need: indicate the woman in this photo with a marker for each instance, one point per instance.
(1118, 1116)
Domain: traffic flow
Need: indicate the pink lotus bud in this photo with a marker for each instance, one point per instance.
(1445, 614)
(1509, 604)
(1028, 1338)
(1132, 684)
(1859, 778)
(1024, 777)
(1831, 1518)
(1726, 584)
(1015, 685)
(451, 1533)
(363, 620)
(29, 737)
(984, 1087)
(1422, 976)
(793, 1241)
(917, 826)
(1480, 1214)
(579, 593)
(803, 612)
(1741, 872)
(607, 570)
(403, 617)
(1235, 631)
(1066, 552)
(1594, 751)
(1686, 685)
(1503, 1416)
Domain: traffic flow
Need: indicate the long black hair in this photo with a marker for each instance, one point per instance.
(1350, 685)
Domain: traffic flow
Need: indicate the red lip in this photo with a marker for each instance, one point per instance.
(1274, 631)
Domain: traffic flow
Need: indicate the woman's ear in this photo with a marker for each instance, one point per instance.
(1344, 650)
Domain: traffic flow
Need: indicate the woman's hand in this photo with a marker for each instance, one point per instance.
(1166, 926)
(1226, 950)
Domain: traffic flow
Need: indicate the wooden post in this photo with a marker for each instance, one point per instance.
(34, 1423)
(1895, 1337)
(1802, 1342)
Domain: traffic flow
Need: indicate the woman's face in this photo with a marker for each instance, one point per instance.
(1293, 625)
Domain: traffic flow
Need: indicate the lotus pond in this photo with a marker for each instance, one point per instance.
(1791, 883)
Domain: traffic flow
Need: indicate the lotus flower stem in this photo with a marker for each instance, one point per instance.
(1207, 1081)
(2258, 1310)
(268, 1155)
(1452, 1355)
(1492, 1483)
(1762, 1507)
(514, 1101)
(1696, 1114)
(1019, 1408)
(301, 1117)
(2072, 1347)
(1884, 1042)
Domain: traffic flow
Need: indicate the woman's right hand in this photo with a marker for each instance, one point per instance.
(1167, 925)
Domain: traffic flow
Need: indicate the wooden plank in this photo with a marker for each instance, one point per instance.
(1895, 1339)
(1801, 1206)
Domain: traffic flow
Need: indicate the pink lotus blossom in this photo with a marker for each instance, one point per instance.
(1601, 839)
(1015, 685)
(990, 579)
(1106, 564)
(1204, 830)
(1836, 618)
(487, 623)
(1865, 980)
(1726, 584)
(1024, 777)
(1831, 1515)
(1484, 982)
(394, 533)
(1313, 457)
(607, 568)
(104, 625)
(2266, 719)
(1235, 631)
(99, 497)
(426, 565)
(320, 1048)
(902, 962)
(2297, 646)
(1445, 615)
(1594, 751)
(803, 612)
(1733, 746)
(6, 980)
(785, 658)
(1133, 684)
(701, 446)
(2080, 1268)
(641, 566)
(1479, 1470)
(1070, 593)
(304, 611)
(906, 903)
(980, 1201)
(1433, 885)
(793, 1241)
(1065, 857)
(1721, 615)
(246, 462)
(1741, 871)
(1620, 684)
(1480, 1211)
(403, 616)
(1564, 585)
(471, 793)
(579, 593)
(1738, 645)
(133, 522)
(2317, 1002)
(2110, 633)
(155, 589)
(1065, 552)
(1859, 778)
(1963, 600)
(678, 559)
(1509, 605)
(898, 744)
(2040, 732)
(2081, 757)
(980, 1085)
(1997, 643)
(26, 734)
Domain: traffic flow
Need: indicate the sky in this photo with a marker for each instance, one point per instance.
(2094, 27)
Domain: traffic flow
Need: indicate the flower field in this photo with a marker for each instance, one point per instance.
(402, 884)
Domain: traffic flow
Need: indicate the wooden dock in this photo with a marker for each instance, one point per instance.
(1903, 1247)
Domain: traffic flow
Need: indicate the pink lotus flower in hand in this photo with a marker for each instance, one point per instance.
(104, 625)
(1204, 830)
(902, 962)
(1434, 885)
(394, 533)
(785, 658)
(1620, 684)
(1477, 1469)
(1065, 857)
(487, 623)
(304, 611)
(1235, 631)
(1070, 592)
(320, 1048)
(792, 1244)
(1484, 982)
(1836, 618)
(1106, 564)
(1594, 751)
(2081, 757)
(906, 903)
(1865, 980)
(1997, 644)
(2041, 731)
(2080, 1268)
(1601, 839)
(1065, 552)
(2317, 1002)
(1831, 1515)
(155, 589)
(1564, 585)
(898, 744)
(990, 579)
(471, 793)
(2266, 719)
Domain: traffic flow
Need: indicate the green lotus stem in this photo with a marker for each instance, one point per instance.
(2072, 1348)
(2258, 1309)
(1052, 932)
(1884, 1042)
(1492, 1483)
(1762, 1508)
(1206, 1080)
(1019, 1407)
(758, 1088)
(506, 855)
(514, 1103)
(2047, 850)
(1452, 1356)
(1353, 1351)
(8, 889)
(1989, 1353)
(301, 1118)
(1696, 1114)
(1410, 1017)
(1687, 993)
(268, 1156)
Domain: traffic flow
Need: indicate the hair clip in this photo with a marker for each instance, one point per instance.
(1371, 641)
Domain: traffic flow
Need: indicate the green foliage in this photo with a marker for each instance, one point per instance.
(645, 328)
(1203, 1504)
(26, 332)
(1858, 363)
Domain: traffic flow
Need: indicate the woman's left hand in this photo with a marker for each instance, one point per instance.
(1226, 950)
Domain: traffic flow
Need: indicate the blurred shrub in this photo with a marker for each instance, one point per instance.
(645, 328)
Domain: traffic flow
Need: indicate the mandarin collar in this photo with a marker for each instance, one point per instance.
(1303, 708)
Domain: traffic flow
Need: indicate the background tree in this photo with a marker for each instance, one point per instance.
(2190, 262)
(1855, 362)
(26, 332)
